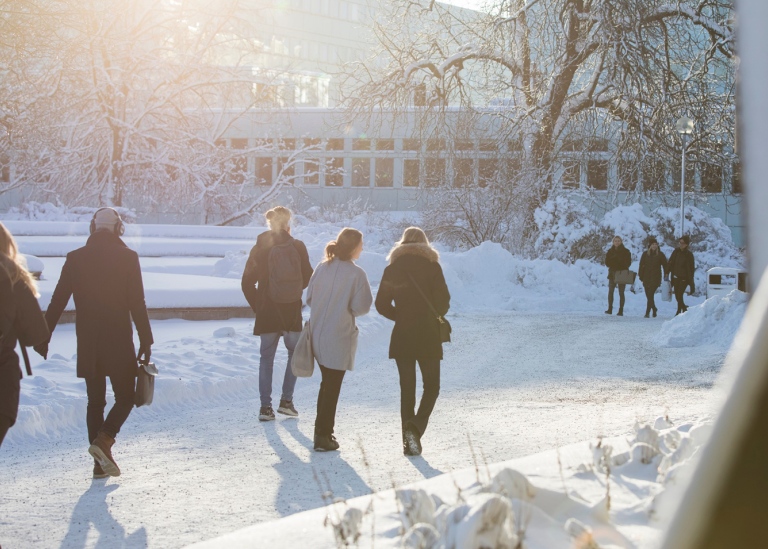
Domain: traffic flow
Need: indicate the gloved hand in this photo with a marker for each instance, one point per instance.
(145, 351)
(42, 349)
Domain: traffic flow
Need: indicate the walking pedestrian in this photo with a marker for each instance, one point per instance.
(682, 266)
(337, 293)
(617, 258)
(20, 320)
(277, 271)
(414, 269)
(652, 262)
(104, 277)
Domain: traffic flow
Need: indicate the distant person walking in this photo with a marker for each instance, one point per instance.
(104, 277)
(416, 335)
(277, 271)
(652, 262)
(338, 292)
(682, 267)
(20, 320)
(617, 258)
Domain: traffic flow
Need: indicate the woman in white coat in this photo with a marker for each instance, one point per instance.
(338, 292)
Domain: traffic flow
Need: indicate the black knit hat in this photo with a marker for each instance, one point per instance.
(685, 238)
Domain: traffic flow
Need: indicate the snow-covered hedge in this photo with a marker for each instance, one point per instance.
(45, 211)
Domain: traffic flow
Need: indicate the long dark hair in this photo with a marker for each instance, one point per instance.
(346, 242)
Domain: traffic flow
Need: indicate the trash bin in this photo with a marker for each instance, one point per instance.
(722, 280)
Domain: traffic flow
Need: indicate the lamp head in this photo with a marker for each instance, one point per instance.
(684, 125)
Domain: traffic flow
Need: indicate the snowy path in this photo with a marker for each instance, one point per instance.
(516, 384)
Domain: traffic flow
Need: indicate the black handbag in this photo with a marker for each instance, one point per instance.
(145, 384)
(442, 323)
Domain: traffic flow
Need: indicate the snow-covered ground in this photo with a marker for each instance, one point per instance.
(535, 366)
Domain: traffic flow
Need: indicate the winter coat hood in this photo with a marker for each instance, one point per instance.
(416, 248)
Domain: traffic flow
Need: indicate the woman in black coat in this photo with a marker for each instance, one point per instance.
(416, 334)
(617, 258)
(652, 262)
(20, 320)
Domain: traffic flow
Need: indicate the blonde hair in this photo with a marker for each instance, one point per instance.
(13, 263)
(278, 219)
(411, 235)
(345, 244)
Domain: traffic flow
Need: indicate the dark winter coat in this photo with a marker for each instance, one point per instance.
(682, 266)
(20, 320)
(104, 277)
(650, 268)
(272, 317)
(618, 258)
(416, 333)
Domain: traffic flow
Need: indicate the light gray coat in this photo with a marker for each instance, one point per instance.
(337, 293)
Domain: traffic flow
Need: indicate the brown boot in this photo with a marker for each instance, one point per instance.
(98, 472)
(101, 450)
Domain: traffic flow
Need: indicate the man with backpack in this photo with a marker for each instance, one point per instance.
(274, 279)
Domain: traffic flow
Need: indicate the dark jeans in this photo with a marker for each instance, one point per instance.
(430, 376)
(327, 399)
(124, 387)
(611, 287)
(679, 285)
(651, 302)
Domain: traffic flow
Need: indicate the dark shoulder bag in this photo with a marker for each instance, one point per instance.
(443, 324)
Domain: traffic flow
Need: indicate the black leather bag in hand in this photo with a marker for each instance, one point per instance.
(145, 383)
(442, 323)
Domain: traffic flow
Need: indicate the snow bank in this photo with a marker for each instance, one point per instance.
(714, 322)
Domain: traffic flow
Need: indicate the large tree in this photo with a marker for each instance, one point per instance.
(558, 75)
(121, 103)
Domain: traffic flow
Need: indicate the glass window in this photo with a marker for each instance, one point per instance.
(597, 174)
(286, 169)
(434, 172)
(488, 170)
(488, 145)
(385, 171)
(571, 177)
(690, 174)
(385, 144)
(287, 144)
(711, 178)
(411, 145)
(240, 144)
(334, 145)
(464, 145)
(736, 187)
(361, 172)
(410, 172)
(629, 174)
(463, 172)
(311, 171)
(435, 144)
(361, 145)
(653, 175)
(263, 171)
(334, 172)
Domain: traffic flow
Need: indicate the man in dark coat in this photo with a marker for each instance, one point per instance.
(652, 262)
(617, 258)
(416, 334)
(274, 319)
(682, 267)
(104, 277)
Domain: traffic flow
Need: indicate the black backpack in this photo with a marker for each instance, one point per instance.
(286, 282)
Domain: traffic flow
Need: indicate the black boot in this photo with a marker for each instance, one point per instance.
(647, 311)
(609, 312)
(655, 310)
(620, 313)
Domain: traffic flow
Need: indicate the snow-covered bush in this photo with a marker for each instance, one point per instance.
(567, 231)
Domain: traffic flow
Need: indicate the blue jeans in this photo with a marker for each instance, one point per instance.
(267, 362)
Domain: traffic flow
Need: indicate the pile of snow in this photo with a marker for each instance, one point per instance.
(714, 322)
(45, 211)
(599, 495)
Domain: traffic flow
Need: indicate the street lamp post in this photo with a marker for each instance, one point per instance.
(684, 126)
